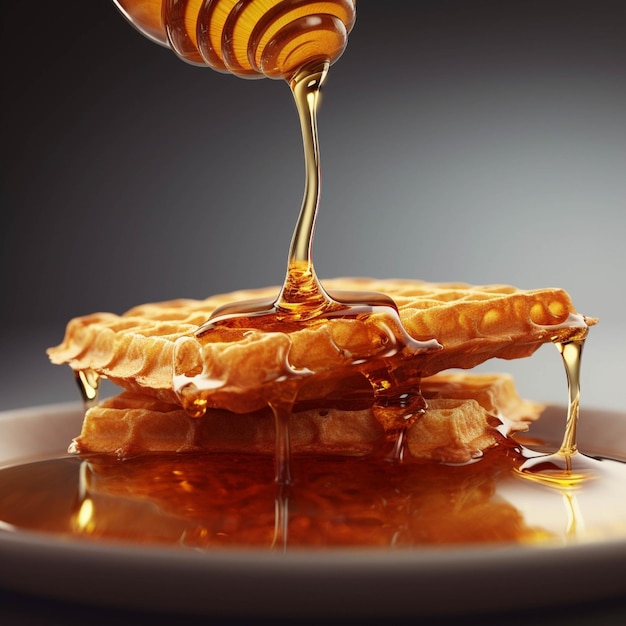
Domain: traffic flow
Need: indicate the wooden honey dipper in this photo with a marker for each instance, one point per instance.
(248, 38)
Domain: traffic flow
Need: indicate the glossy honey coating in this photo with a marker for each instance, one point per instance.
(473, 324)
(463, 411)
(227, 501)
(248, 38)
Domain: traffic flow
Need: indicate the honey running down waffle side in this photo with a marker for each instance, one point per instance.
(140, 349)
(467, 413)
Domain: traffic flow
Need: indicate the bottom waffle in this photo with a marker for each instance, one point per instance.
(467, 413)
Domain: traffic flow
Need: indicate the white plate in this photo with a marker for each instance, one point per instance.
(355, 583)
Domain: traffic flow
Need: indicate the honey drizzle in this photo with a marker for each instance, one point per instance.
(302, 294)
(280, 540)
(88, 383)
(303, 300)
(571, 353)
(567, 467)
(282, 456)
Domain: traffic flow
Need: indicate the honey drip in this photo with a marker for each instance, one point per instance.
(567, 467)
(88, 383)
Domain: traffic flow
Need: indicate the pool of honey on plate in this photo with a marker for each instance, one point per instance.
(232, 501)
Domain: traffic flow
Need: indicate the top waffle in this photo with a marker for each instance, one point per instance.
(136, 350)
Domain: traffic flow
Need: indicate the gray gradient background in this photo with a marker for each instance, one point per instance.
(471, 140)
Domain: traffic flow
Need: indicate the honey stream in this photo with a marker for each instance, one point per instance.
(303, 301)
(566, 467)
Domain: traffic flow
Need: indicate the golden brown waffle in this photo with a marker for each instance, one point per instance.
(467, 414)
(472, 323)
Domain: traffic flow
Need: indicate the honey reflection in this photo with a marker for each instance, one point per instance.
(233, 501)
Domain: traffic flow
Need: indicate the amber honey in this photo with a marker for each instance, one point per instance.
(232, 501)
